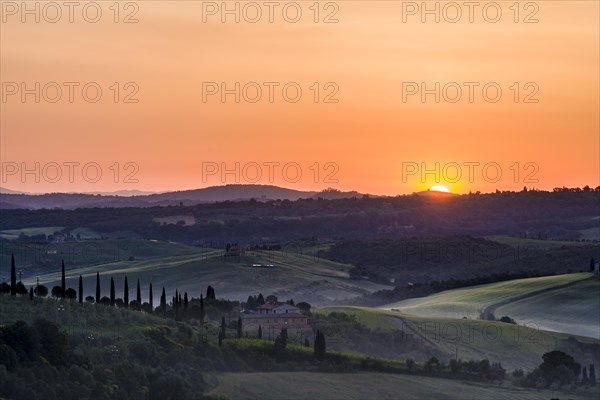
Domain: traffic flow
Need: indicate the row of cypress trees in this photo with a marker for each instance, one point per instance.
(179, 302)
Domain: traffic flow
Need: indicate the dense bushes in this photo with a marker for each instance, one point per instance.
(558, 215)
(39, 361)
(419, 266)
(558, 370)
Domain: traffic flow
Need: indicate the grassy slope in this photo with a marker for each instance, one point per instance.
(574, 309)
(78, 318)
(11, 234)
(591, 233)
(306, 385)
(533, 243)
(191, 269)
(471, 301)
(512, 345)
(46, 257)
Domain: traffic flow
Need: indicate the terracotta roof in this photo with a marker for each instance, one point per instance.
(289, 315)
(270, 306)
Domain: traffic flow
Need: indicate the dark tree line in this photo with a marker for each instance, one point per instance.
(360, 217)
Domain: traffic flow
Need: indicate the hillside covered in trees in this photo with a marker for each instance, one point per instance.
(562, 214)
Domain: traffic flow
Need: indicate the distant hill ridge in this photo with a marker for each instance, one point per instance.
(233, 192)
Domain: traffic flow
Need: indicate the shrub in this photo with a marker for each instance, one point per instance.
(508, 320)
(71, 294)
(57, 292)
(40, 291)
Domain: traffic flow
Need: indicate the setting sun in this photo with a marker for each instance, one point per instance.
(440, 188)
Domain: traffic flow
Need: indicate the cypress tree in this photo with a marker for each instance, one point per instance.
(13, 276)
(281, 341)
(151, 299)
(63, 284)
(138, 296)
(112, 292)
(126, 293)
(163, 298)
(250, 303)
(201, 308)
(592, 375)
(260, 332)
(210, 293)
(239, 328)
(260, 300)
(176, 305)
(97, 287)
(319, 346)
(320, 350)
(185, 301)
(31, 293)
(163, 302)
(80, 289)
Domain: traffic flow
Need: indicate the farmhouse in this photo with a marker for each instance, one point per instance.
(274, 315)
(276, 307)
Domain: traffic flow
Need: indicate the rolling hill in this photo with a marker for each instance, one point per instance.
(188, 268)
(575, 308)
(562, 303)
(233, 192)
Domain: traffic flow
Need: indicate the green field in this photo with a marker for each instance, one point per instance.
(83, 232)
(38, 259)
(359, 386)
(591, 233)
(12, 234)
(512, 345)
(538, 243)
(187, 268)
(573, 309)
(575, 302)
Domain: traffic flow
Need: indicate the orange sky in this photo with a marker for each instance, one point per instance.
(367, 136)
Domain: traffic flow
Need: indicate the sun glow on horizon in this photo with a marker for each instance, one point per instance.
(440, 188)
(350, 94)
